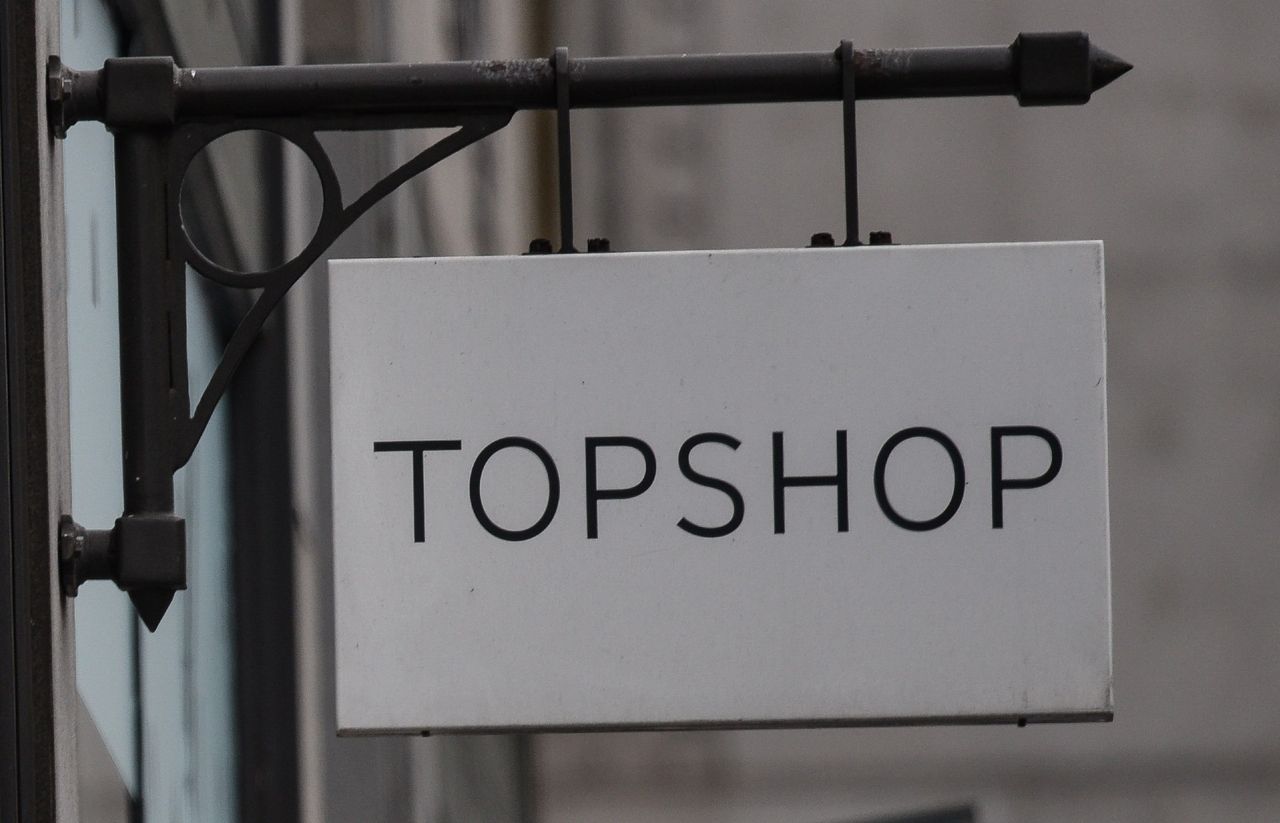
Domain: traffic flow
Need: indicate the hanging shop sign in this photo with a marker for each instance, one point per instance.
(744, 488)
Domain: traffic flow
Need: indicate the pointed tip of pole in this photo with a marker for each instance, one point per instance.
(1107, 68)
(151, 606)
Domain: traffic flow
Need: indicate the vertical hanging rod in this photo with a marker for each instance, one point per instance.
(848, 57)
(564, 147)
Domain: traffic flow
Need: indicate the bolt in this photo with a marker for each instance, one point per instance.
(881, 238)
(59, 85)
(598, 245)
(71, 539)
(540, 246)
(822, 240)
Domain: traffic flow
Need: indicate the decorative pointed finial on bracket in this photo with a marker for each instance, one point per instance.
(1062, 68)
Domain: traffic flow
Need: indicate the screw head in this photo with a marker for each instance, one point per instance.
(822, 240)
(540, 246)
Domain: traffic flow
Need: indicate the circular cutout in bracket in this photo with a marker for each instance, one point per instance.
(227, 188)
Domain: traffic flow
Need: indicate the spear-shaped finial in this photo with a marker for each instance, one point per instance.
(1061, 68)
(1106, 67)
(151, 605)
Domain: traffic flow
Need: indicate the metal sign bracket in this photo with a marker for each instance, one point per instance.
(163, 116)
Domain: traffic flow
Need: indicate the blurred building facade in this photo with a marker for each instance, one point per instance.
(227, 714)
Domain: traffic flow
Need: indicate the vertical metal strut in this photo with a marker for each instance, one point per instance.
(148, 547)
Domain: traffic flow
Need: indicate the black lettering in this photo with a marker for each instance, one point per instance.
(722, 486)
(999, 483)
(957, 466)
(595, 495)
(417, 447)
(840, 480)
(553, 489)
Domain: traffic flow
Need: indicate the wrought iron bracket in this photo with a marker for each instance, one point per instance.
(162, 116)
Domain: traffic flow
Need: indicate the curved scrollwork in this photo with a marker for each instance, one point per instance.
(335, 218)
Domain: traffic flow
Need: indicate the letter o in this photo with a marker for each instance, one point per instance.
(553, 490)
(957, 465)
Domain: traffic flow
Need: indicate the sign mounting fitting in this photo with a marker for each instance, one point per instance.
(163, 115)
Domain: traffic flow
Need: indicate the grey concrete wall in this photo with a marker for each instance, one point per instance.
(1177, 168)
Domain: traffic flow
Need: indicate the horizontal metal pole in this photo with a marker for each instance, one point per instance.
(604, 82)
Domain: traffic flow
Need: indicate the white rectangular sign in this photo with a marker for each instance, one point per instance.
(752, 488)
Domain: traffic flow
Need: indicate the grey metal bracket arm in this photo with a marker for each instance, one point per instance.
(162, 116)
